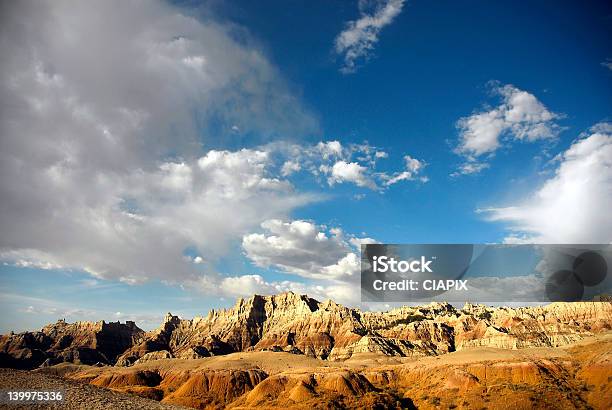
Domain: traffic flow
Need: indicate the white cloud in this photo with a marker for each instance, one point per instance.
(470, 168)
(101, 159)
(175, 176)
(247, 285)
(413, 165)
(330, 149)
(402, 176)
(413, 169)
(335, 163)
(237, 173)
(381, 154)
(204, 204)
(480, 132)
(290, 167)
(305, 249)
(29, 263)
(519, 116)
(574, 205)
(343, 171)
(356, 42)
(607, 63)
(357, 242)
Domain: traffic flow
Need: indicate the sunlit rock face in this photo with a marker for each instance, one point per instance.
(326, 330)
(298, 324)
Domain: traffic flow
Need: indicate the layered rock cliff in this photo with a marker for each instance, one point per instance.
(80, 342)
(301, 325)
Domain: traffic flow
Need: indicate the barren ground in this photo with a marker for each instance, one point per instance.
(76, 395)
(574, 376)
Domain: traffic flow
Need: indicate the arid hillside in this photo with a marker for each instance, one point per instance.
(80, 342)
(291, 351)
(301, 325)
(578, 375)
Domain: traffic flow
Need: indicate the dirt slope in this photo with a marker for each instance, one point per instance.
(575, 376)
(76, 395)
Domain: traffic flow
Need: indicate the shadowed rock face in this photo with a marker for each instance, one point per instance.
(301, 325)
(81, 342)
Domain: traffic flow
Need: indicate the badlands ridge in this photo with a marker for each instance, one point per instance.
(290, 350)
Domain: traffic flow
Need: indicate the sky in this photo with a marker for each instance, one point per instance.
(173, 156)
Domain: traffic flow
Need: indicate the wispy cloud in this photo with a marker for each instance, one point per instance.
(468, 168)
(413, 170)
(357, 41)
(56, 309)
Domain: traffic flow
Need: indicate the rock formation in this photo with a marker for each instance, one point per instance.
(578, 375)
(325, 330)
(80, 342)
(296, 323)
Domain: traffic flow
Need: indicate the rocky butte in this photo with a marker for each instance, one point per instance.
(298, 324)
(80, 342)
(288, 348)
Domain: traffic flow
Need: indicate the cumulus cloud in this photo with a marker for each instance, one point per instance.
(343, 171)
(357, 41)
(247, 285)
(519, 116)
(290, 167)
(574, 205)
(101, 145)
(305, 249)
(202, 204)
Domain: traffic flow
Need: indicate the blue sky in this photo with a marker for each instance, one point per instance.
(143, 163)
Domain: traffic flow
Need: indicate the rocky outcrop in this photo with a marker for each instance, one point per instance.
(286, 389)
(152, 356)
(575, 376)
(299, 324)
(80, 342)
(326, 330)
(155, 341)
